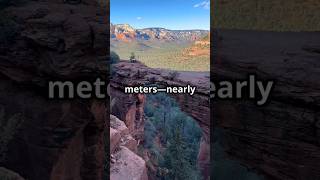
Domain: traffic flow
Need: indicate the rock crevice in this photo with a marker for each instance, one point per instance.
(125, 163)
(129, 107)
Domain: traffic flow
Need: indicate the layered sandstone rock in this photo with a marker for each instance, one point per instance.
(115, 137)
(130, 109)
(128, 166)
(119, 125)
(124, 32)
(280, 139)
(55, 139)
(125, 163)
(130, 106)
(120, 135)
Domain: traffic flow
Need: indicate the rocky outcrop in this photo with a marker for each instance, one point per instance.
(53, 40)
(115, 138)
(280, 139)
(130, 109)
(130, 106)
(120, 135)
(200, 47)
(125, 163)
(6, 174)
(128, 166)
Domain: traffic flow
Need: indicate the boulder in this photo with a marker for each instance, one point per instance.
(119, 125)
(128, 166)
(129, 142)
(115, 138)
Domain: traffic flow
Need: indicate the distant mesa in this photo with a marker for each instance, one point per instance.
(125, 32)
(200, 47)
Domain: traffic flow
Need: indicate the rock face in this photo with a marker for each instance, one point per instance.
(130, 110)
(115, 137)
(125, 163)
(9, 175)
(53, 139)
(129, 166)
(280, 139)
(200, 47)
(129, 107)
(124, 32)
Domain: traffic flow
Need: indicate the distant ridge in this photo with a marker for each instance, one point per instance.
(125, 32)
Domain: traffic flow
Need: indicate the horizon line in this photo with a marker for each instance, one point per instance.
(160, 28)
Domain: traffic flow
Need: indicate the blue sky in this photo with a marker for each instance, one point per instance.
(170, 14)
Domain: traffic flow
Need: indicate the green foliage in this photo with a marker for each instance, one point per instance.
(179, 137)
(166, 55)
(114, 57)
(206, 38)
(177, 158)
(150, 133)
(132, 57)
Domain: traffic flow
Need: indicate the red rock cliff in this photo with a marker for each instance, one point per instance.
(130, 107)
(54, 140)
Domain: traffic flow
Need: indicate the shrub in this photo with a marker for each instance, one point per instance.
(150, 133)
(133, 58)
(114, 57)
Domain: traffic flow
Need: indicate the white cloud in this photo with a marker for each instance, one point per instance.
(139, 18)
(203, 4)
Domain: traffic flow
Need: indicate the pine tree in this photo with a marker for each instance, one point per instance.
(176, 158)
(132, 57)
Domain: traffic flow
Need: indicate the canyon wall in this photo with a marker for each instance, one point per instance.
(129, 107)
(280, 139)
(52, 139)
(124, 161)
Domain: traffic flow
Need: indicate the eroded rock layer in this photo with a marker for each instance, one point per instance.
(280, 139)
(125, 164)
(129, 107)
(52, 139)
